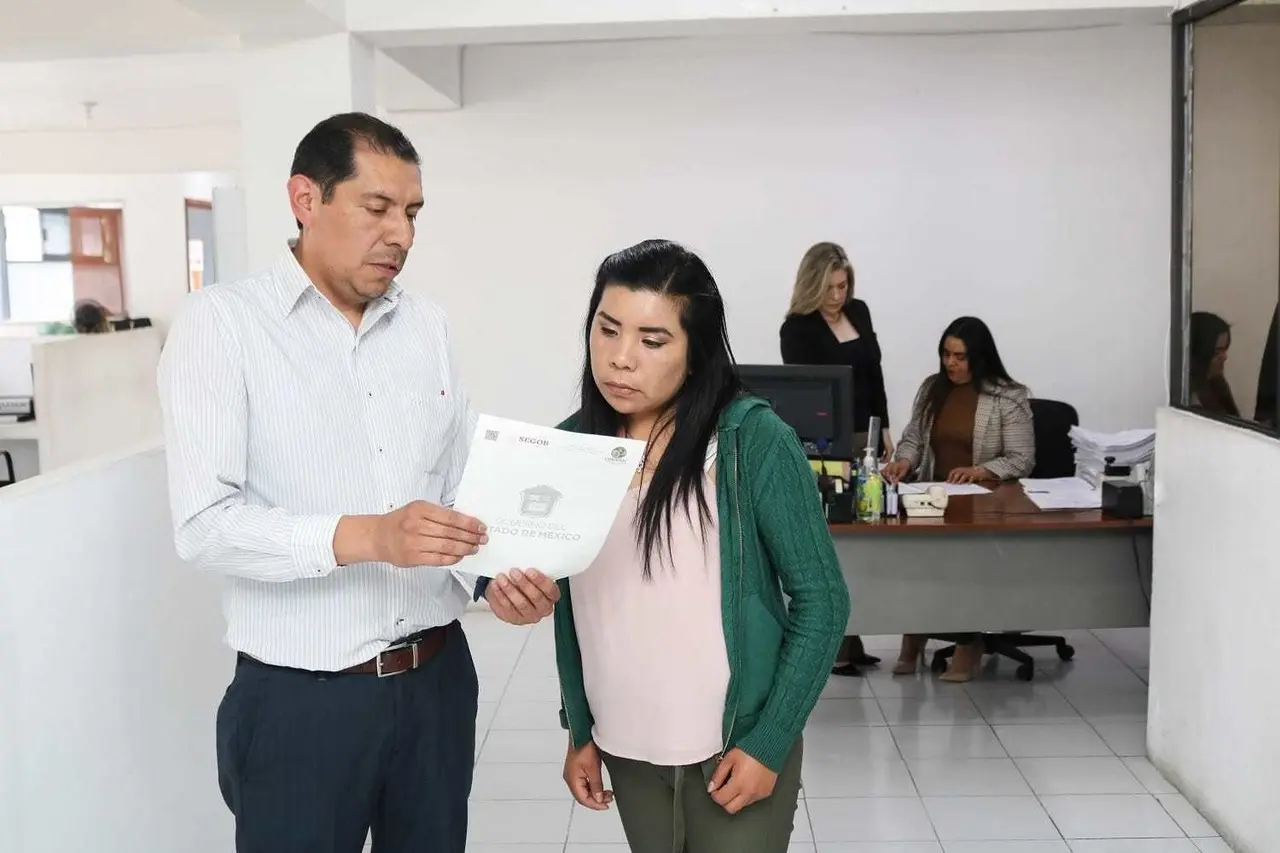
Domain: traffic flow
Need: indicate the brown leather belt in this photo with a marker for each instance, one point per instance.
(404, 656)
(408, 654)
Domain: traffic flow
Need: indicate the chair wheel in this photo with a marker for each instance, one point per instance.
(938, 664)
(1025, 672)
(1066, 652)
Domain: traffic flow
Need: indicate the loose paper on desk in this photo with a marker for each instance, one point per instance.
(952, 489)
(549, 497)
(1062, 493)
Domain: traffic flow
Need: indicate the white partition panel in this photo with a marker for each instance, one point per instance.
(111, 669)
(1212, 723)
(96, 394)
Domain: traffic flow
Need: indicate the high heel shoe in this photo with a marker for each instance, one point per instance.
(912, 655)
(910, 667)
(958, 675)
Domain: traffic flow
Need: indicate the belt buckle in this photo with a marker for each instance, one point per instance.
(378, 659)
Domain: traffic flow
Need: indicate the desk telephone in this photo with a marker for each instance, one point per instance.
(929, 504)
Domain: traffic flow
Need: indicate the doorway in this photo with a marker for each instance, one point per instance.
(202, 267)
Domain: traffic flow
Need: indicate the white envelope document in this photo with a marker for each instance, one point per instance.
(549, 497)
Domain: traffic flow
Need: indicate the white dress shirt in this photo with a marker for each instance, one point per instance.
(280, 418)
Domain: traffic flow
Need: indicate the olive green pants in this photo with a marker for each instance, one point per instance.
(668, 809)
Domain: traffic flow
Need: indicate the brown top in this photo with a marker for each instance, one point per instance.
(1007, 508)
(952, 436)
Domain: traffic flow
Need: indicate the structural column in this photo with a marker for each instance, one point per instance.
(284, 91)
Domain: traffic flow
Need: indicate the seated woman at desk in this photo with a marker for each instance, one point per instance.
(826, 325)
(1210, 340)
(970, 422)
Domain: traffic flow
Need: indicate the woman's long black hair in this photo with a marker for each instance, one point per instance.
(1206, 329)
(1214, 391)
(986, 368)
(711, 382)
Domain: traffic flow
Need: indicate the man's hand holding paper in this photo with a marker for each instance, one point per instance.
(548, 497)
(423, 534)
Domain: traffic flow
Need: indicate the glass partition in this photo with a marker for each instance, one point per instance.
(1226, 224)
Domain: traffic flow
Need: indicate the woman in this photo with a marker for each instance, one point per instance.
(1210, 340)
(681, 666)
(970, 422)
(826, 325)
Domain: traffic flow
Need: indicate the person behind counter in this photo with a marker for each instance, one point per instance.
(91, 318)
(1210, 341)
(682, 666)
(826, 325)
(971, 421)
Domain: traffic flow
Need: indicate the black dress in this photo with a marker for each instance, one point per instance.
(807, 339)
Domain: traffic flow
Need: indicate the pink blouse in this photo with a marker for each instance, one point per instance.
(653, 653)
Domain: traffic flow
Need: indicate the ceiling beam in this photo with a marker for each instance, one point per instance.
(419, 79)
(400, 23)
(259, 21)
(425, 79)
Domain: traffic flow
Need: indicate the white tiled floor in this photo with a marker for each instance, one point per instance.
(892, 765)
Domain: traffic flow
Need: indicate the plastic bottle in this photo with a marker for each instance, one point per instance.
(870, 488)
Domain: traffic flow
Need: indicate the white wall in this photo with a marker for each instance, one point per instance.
(1211, 725)
(155, 235)
(1236, 183)
(112, 665)
(1021, 177)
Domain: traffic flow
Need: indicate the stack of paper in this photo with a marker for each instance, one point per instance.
(1063, 493)
(952, 489)
(1093, 449)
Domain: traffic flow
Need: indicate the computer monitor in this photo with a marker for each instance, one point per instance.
(816, 400)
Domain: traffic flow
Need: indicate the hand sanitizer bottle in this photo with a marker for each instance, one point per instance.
(870, 481)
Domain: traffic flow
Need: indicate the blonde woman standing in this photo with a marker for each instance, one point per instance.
(826, 325)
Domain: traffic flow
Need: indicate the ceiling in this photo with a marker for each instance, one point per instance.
(61, 29)
(71, 65)
(119, 92)
(144, 63)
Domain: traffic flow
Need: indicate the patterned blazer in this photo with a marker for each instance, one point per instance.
(1004, 441)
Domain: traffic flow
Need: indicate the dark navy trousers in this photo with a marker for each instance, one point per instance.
(311, 762)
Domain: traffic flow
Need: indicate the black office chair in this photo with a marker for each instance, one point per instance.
(1055, 457)
(8, 477)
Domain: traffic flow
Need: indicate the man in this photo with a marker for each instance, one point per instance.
(317, 431)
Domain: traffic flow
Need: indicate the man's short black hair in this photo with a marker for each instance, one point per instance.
(327, 154)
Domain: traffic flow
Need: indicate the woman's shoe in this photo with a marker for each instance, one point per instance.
(911, 656)
(865, 660)
(960, 673)
(908, 667)
(846, 669)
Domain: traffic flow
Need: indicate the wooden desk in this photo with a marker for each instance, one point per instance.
(996, 563)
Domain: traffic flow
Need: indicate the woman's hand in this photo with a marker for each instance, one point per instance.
(739, 781)
(895, 470)
(583, 773)
(975, 474)
(886, 444)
